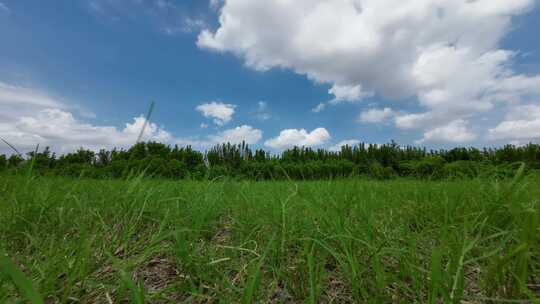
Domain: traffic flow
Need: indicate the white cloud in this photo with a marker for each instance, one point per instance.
(522, 129)
(521, 124)
(244, 133)
(343, 94)
(371, 43)
(413, 121)
(454, 132)
(64, 133)
(348, 142)
(17, 101)
(348, 93)
(11, 95)
(460, 83)
(376, 115)
(443, 52)
(298, 137)
(29, 117)
(220, 112)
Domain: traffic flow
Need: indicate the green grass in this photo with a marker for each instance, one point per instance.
(348, 241)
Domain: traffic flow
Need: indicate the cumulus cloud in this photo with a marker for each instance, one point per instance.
(12, 95)
(348, 142)
(221, 113)
(521, 124)
(454, 132)
(376, 115)
(244, 133)
(298, 137)
(348, 93)
(343, 94)
(29, 117)
(64, 133)
(460, 83)
(445, 53)
(17, 101)
(413, 121)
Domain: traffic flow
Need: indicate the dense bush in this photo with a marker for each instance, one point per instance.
(429, 167)
(175, 169)
(298, 163)
(461, 169)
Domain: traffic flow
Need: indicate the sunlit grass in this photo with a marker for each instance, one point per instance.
(150, 241)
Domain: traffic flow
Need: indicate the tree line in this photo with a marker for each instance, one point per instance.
(299, 163)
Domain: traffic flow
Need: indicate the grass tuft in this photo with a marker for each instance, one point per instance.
(341, 241)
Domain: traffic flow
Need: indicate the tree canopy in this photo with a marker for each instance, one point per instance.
(301, 163)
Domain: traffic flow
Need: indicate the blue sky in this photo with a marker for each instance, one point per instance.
(77, 73)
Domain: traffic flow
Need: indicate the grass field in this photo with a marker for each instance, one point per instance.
(348, 241)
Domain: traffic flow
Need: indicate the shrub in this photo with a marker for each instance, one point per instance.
(376, 170)
(462, 169)
(218, 171)
(175, 169)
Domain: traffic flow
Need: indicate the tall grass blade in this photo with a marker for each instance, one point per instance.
(20, 280)
(254, 280)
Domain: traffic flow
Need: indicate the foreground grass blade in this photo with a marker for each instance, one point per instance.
(136, 291)
(20, 280)
(254, 280)
(341, 241)
(436, 275)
